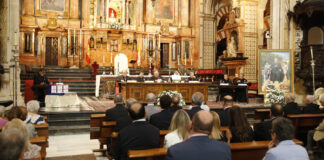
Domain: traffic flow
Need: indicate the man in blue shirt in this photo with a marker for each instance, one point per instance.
(282, 147)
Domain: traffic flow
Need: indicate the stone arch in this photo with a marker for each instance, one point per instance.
(221, 15)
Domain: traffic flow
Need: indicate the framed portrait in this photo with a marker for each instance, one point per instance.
(164, 9)
(276, 70)
(53, 5)
(174, 51)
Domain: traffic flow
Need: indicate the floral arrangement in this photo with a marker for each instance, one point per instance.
(115, 25)
(275, 96)
(171, 94)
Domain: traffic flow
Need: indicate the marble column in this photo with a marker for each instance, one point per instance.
(9, 39)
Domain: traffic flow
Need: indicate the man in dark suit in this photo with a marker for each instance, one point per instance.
(162, 119)
(118, 113)
(224, 114)
(311, 108)
(291, 107)
(175, 104)
(199, 145)
(197, 100)
(192, 77)
(124, 77)
(240, 93)
(140, 77)
(138, 135)
(156, 76)
(226, 91)
(262, 131)
(40, 86)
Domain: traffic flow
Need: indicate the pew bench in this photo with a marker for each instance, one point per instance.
(261, 114)
(95, 124)
(308, 121)
(255, 150)
(42, 142)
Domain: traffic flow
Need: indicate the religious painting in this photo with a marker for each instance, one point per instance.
(91, 42)
(276, 70)
(164, 9)
(53, 5)
(174, 51)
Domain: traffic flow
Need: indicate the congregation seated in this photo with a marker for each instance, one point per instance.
(319, 138)
(311, 107)
(224, 114)
(150, 108)
(291, 107)
(31, 150)
(216, 132)
(118, 113)
(239, 126)
(162, 119)
(262, 131)
(12, 144)
(33, 117)
(129, 102)
(178, 130)
(3, 120)
(138, 135)
(199, 145)
(282, 146)
(197, 100)
(21, 113)
(175, 104)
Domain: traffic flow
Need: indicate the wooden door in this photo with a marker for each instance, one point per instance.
(164, 55)
(51, 51)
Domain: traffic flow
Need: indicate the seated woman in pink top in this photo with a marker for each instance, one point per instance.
(3, 121)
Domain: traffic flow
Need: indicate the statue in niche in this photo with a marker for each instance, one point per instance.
(232, 47)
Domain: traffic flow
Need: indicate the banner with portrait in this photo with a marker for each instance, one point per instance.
(275, 70)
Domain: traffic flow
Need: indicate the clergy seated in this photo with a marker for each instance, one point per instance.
(199, 145)
(262, 131)
(178, 128)
(118, 113)
(138, 135)
(150, 108)
(311, 108)
(282, 146)
(162, 119)
(239, 126)
(291, 107)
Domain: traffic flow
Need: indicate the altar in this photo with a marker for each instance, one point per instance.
(139, 90)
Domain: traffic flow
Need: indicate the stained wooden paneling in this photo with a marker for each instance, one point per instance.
(51, 51)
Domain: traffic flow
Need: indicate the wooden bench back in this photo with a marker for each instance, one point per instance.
(261, 114)
(95, 123)
(305, 120)
(42, 142)
(246, 150)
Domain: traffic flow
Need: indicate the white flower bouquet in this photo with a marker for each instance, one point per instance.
(171, 94)
(275, 96)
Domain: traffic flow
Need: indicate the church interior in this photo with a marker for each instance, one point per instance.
(78, 59)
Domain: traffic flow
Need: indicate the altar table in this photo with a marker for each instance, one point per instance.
(139, 90)
(66, 102)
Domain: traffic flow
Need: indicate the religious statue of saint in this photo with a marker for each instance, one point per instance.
(231, 48)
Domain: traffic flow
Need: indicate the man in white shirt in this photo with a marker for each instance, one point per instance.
(282, 147)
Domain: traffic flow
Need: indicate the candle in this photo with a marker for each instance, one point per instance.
(69, 38)
(74, 44)
(311, 47)
(185, 56)
(178, 60)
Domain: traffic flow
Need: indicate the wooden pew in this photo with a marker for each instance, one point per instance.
(42, 142)
(42, 131)
(162, 135)
(148, 154)
(261, 114)
(95, 124)
(310, 121)
(255, 150)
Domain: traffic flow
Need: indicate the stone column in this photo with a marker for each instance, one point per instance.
(9, 37)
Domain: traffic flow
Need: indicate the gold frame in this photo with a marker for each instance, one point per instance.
(292, 68)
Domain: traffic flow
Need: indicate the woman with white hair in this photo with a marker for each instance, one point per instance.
(33, 117)
(311, 108)
(31, 150)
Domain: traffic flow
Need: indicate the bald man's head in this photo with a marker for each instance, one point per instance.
(136, 111)
(202, 122)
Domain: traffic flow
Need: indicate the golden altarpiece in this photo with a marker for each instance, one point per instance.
(164, 33)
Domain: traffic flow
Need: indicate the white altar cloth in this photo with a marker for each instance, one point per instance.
(67, 102)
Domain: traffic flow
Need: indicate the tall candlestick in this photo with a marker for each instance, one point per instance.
(69, 43)
(159, 41)
(80, 41)
(185, 56)
(311, 47)
(74, 42)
